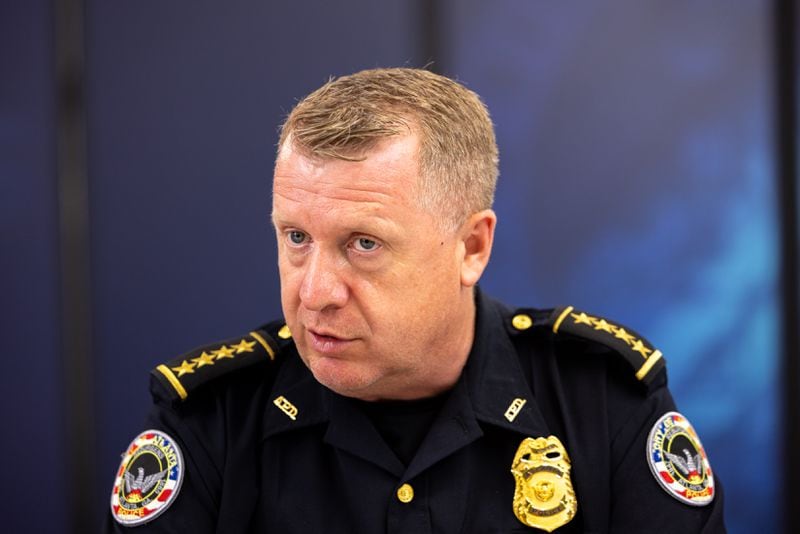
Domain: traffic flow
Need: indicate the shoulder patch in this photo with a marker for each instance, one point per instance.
(678, 460)
(148, 479)
(188, 372)
(645, 359)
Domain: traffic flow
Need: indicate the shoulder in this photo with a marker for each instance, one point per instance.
(194, 373)
(204, 420)
(576, 332)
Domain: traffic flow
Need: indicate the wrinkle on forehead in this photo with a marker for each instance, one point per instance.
(386, 177)
(336, 191)
(324, 215)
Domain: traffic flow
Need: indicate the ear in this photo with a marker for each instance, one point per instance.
(477, 235)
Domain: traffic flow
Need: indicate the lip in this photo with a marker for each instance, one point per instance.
(327, 343)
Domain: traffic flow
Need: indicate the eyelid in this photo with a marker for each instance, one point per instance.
(287, 236)
(356, 238)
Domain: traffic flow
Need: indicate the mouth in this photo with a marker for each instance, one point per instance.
(327, 342)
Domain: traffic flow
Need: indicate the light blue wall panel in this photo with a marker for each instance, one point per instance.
(637, 181)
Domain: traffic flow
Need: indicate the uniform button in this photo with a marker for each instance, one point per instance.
(284, 332)
(405, 493)
(522, 321)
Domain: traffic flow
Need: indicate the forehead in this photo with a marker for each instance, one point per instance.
(387, 176)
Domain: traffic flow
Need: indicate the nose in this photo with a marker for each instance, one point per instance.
(323, 286)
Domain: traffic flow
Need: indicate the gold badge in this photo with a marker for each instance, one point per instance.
(543, 497)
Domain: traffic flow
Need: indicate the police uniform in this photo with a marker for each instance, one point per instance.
(560, 421)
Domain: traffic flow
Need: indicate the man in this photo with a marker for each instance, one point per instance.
(396, 397)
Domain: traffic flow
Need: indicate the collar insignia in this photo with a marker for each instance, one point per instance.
(514, 408)
(148, 479)
(543, 497)
(679, 462)
(286, 407)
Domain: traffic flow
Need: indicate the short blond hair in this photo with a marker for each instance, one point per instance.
(458, 158)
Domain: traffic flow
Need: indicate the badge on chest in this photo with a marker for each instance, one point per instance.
(543, 497)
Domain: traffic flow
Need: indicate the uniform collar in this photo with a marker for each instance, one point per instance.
(494, 376)
(490, 384)
(297, 400)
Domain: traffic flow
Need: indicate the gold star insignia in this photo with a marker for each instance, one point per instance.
(639, 347)
(622, 334)
(582, 318)
(203, 360)
(185, 368)
(223, 352)
(604, 326)
(244, 346)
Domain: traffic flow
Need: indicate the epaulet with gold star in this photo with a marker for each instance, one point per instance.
(190, 371)
(645, 359)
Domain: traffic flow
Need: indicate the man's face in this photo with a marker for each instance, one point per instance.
(370, 285)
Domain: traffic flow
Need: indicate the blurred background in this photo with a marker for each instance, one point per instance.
(648, 173)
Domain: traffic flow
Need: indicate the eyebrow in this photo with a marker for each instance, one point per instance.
(376, 226)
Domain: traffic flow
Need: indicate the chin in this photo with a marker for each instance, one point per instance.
(340, 376)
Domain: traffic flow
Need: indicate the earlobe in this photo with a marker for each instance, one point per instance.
(478, 236)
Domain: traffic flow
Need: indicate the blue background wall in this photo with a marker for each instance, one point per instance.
(637, 181)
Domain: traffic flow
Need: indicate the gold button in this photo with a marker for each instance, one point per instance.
(522, 321)
(284, 332)
(405, 493)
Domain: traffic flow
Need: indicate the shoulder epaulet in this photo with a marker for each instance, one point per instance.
(190, 371)
(645, 359)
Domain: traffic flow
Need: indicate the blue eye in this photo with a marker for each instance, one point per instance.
(364, 244)
(297, 237)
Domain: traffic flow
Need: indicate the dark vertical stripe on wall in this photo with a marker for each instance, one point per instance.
(74, 252)
(430, 36)
(786, 145)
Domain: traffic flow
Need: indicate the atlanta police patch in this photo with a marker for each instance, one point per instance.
(678, 460)
(148, 479)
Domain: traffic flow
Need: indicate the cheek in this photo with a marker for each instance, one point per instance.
(290, 280)
(413, 303)
(437, 278)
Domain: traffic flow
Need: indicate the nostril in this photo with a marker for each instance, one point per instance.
(322, 288)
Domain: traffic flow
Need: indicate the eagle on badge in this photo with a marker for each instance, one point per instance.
(690, 466)
(136, 487)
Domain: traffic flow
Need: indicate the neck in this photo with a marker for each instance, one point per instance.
(447, 358)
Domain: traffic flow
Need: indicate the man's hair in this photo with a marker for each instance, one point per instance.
(458, 159)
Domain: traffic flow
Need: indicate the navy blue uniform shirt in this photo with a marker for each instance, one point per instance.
(250, 465)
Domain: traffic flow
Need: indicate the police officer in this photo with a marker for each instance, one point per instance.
(394, 396)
